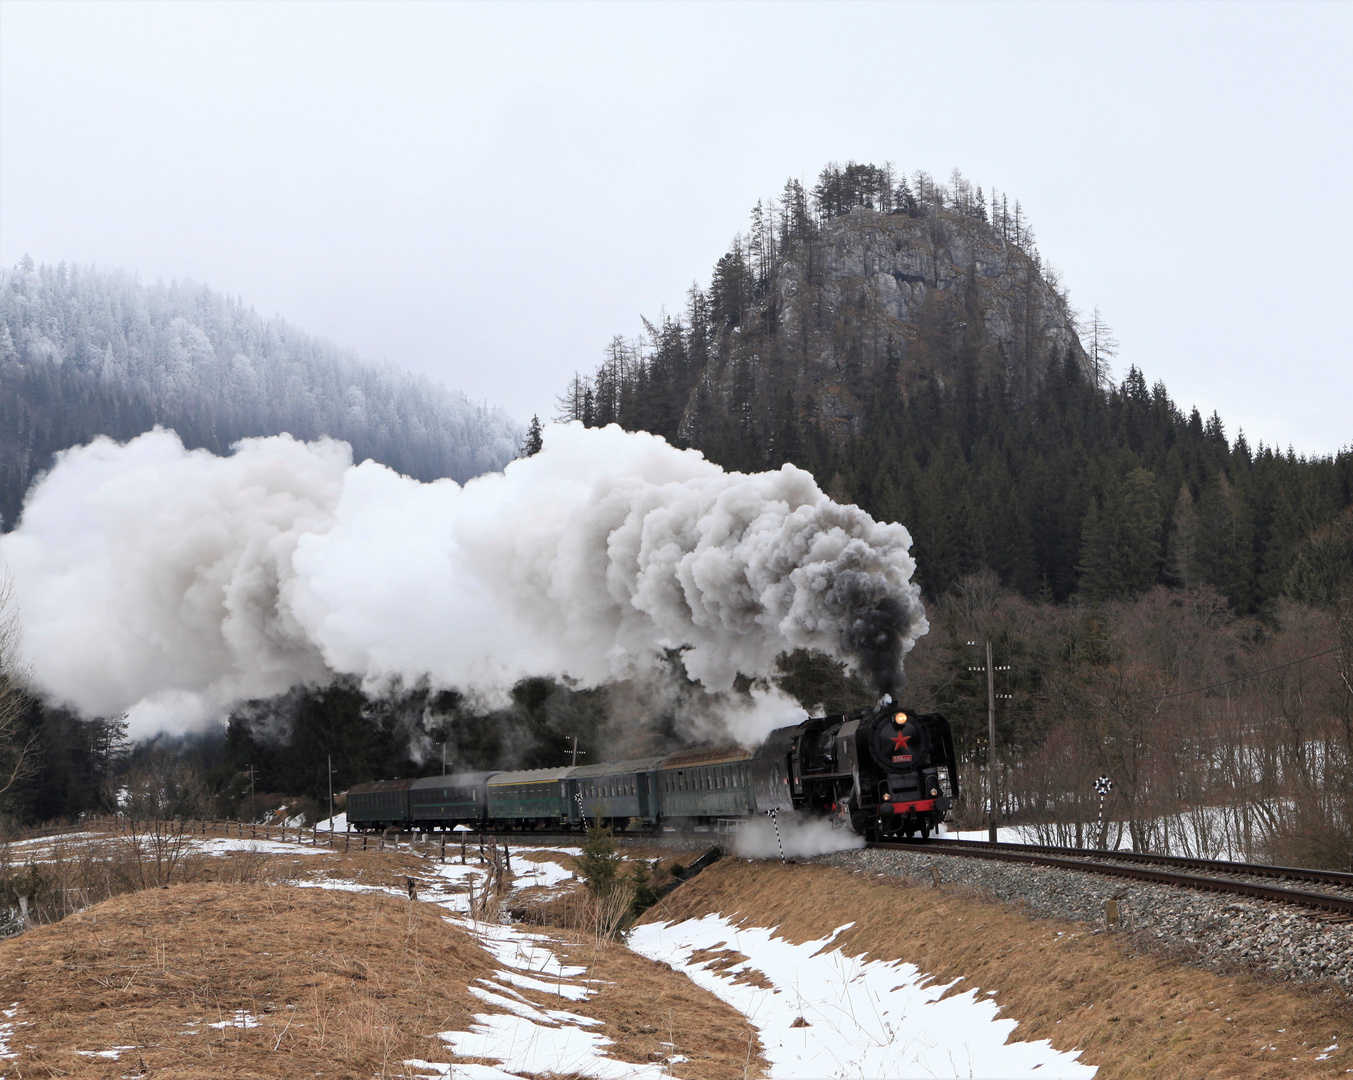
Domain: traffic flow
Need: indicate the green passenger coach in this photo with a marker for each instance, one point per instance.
(533, 798)
(443, 801)
(379, 804)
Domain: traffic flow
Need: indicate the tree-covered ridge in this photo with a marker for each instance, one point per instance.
(905, 342)
(87, 352)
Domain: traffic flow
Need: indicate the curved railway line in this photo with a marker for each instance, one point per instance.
(1210, 875)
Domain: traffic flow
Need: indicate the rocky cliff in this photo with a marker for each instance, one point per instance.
(871, 296)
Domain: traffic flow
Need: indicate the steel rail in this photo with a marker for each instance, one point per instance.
(1325, 901)
(1215, 866)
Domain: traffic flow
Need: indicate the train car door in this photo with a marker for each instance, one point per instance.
(796, 765)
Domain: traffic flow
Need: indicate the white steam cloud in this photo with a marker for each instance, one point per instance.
(169, 584)
(797, 838)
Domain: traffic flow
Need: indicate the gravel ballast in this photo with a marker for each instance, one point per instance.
(1217, 930)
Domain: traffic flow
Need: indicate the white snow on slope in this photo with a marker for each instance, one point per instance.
(863, 1017)
(220, 845)
(523, 1038)
(7, 1026)
(544, 874)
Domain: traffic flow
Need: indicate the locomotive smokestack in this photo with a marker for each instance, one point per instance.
(878, 639)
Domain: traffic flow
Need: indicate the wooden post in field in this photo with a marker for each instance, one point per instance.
(443, 845)
(462, 849)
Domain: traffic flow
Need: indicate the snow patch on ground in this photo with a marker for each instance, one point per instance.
(111, 1055)
(239, 1019)
(337, 823)
(524, 1038)
(523, 1045)
(59, 838)
(825, 1014)
(7, 1026)
(220, 845)
(543, 874)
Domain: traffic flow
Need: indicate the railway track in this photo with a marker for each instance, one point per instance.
(1211, 875)
(1208, 875)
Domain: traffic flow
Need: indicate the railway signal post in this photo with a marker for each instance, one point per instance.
(1103, 785)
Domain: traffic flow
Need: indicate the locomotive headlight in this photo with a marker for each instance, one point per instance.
(900, 719)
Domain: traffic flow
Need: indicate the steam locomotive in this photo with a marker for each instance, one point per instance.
(882, 771)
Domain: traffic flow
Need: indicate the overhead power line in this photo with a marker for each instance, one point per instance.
(1226, 682)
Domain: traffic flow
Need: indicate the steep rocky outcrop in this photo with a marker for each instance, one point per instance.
(871, 296)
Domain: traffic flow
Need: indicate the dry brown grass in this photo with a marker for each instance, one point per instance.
(341, 983)
(652, 1012)
(1136, 1016)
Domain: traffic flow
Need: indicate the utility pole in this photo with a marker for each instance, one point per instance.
(252, 815)
(991, 670)
(575, 750)
(331, 793)
(991, 745)
(443, 757)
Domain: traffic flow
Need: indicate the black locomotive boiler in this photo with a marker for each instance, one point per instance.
(882, 771)
(885, 771)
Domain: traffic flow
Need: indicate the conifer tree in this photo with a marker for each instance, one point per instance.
(535, 441)
(1139, 522)
(1181, 561)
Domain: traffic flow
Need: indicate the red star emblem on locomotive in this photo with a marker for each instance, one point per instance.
(900, 741)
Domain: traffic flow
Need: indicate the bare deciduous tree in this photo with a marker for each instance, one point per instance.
(18, 747)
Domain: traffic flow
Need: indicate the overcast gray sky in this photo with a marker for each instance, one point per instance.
(488, 193)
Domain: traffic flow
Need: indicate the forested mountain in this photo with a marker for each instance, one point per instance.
(85, 352)
(905, 341)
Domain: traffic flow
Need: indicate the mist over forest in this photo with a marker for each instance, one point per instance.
(87, 351)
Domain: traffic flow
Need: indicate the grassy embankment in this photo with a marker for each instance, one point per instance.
(1134, 1015)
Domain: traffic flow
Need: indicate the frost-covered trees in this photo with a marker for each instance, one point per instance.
(85, 352)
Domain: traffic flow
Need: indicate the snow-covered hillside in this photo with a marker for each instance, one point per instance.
(87, 352)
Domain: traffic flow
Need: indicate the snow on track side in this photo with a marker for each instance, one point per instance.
(823, 1014)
